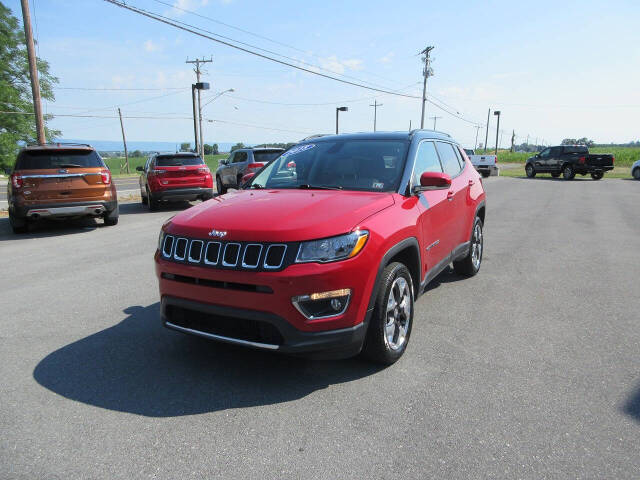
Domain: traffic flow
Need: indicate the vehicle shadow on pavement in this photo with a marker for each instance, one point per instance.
(558, 179)
(632, 406)
(139, 367)
(137, 207)
(448, 275)
(50, 228)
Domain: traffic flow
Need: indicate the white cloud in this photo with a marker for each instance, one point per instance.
(179, 6)
(340, 66)
(149, 46)
(387, 58)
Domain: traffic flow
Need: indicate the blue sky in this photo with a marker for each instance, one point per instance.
(554, 69)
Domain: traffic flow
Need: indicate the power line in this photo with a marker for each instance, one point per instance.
(191, 28)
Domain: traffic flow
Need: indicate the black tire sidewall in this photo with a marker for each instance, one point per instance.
(530, 171)
(568, 168)
(636, 173)
(376, 347)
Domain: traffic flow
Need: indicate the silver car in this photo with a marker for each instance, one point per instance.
(635, 170)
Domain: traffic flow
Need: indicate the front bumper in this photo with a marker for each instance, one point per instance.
(178, 194)
(255, 329)
(63, 210)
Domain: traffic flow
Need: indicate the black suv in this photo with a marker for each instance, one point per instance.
(241, 162)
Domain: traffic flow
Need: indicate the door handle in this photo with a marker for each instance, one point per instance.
(471, 183)
(450, 195)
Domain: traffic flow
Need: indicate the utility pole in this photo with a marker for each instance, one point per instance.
(434, 121)
(486, 135)
(497, 113)
(124, 140)
(409, 125)
(195, 119)
(197, 63)
(427, 72)
(33, 72)
(513, 139)
(475, 145)
(375, 112)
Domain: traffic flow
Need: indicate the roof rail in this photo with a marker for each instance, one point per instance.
(428, 130)
(317, 135)
(59, 143)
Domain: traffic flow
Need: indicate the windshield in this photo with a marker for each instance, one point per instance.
(368, 165)
(177, 160)
(43, 159)
(266, 156)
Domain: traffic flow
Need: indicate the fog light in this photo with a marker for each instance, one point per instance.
(323, 304)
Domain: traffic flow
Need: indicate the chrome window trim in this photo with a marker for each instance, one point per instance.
(207, 262)
(224, 263)
(244, 254)
(175, 248)
(266, 255)
(173, 244)
(190, 258)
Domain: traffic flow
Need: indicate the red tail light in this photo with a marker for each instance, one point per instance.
(581, 160)
(17, 181)
(255, 166)
(613, 159)
(106, 176)
(204, 170)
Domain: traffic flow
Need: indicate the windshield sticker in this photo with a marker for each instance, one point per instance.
(378, 185)
(298, 149)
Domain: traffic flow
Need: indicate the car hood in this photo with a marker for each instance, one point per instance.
(280, 215)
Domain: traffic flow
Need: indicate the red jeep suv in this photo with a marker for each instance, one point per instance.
(174, 177)
(325, 258)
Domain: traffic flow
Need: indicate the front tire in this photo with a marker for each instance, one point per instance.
(392, 318)
(636, 173)
(220, 187)
(470, 265)
(568, 173)
(530, 170)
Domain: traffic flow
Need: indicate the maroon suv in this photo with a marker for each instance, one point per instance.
(327, 247)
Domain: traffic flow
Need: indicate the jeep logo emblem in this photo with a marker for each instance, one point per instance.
(217, 233)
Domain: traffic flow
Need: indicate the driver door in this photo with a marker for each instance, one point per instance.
(542, 161)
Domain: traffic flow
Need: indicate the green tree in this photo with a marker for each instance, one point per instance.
(15, 89)
(214, 149)
(208, 149)
(237, 146)
(185, 147)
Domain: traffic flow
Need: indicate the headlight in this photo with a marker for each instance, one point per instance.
(332, 249)
(161, 239)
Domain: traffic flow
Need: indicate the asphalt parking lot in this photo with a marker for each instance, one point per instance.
(531, 369)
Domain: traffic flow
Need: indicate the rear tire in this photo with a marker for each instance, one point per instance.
(530, 170)
(470, 265)
(597, 175)
(143, 198)
(220, 187)
(636, 173)
(111, 218)
(568, 173)
(390, 325)
(151, 202)
(18, 225)
(485, 174)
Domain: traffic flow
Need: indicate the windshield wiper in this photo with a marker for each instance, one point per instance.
(318, 187)
(69, 165)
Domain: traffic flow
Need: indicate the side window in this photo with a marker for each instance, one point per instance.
(545, 153)
(426, 161)
(240, 157)
(448, 158)
(460, 159)
(555, 152)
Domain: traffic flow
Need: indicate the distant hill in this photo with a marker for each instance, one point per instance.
(116, 146)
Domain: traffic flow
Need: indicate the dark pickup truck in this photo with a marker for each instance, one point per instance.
(569, 160)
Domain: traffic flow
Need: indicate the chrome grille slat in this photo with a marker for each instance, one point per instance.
(224, 255)
(244, 255)
(177, 243)
(266, 256)
(191, 258)
(206, 254)
(164, 246)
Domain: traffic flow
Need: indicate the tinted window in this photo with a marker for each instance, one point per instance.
(266, 156)
(448, 158)
(240, 157)
(371, 165)
(575, 149)
(426, 161)
(177, 160)
(468, 151)
(545, 153)
(41, 159)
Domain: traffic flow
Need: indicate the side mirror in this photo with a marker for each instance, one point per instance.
(224, 161)
(139, 168)
(433, 181)
(246, 179)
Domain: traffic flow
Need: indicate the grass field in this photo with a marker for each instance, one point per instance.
(625, 156)
(115, 162)
(617, 172)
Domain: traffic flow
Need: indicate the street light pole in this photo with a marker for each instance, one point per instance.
(486, 133)
(497, 113)
(338, 110)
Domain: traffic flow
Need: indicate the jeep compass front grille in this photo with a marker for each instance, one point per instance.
(229, 255)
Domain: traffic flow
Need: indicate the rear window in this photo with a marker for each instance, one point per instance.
(177, 160)
(266, 156)
(576, 150)
(43, 159)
